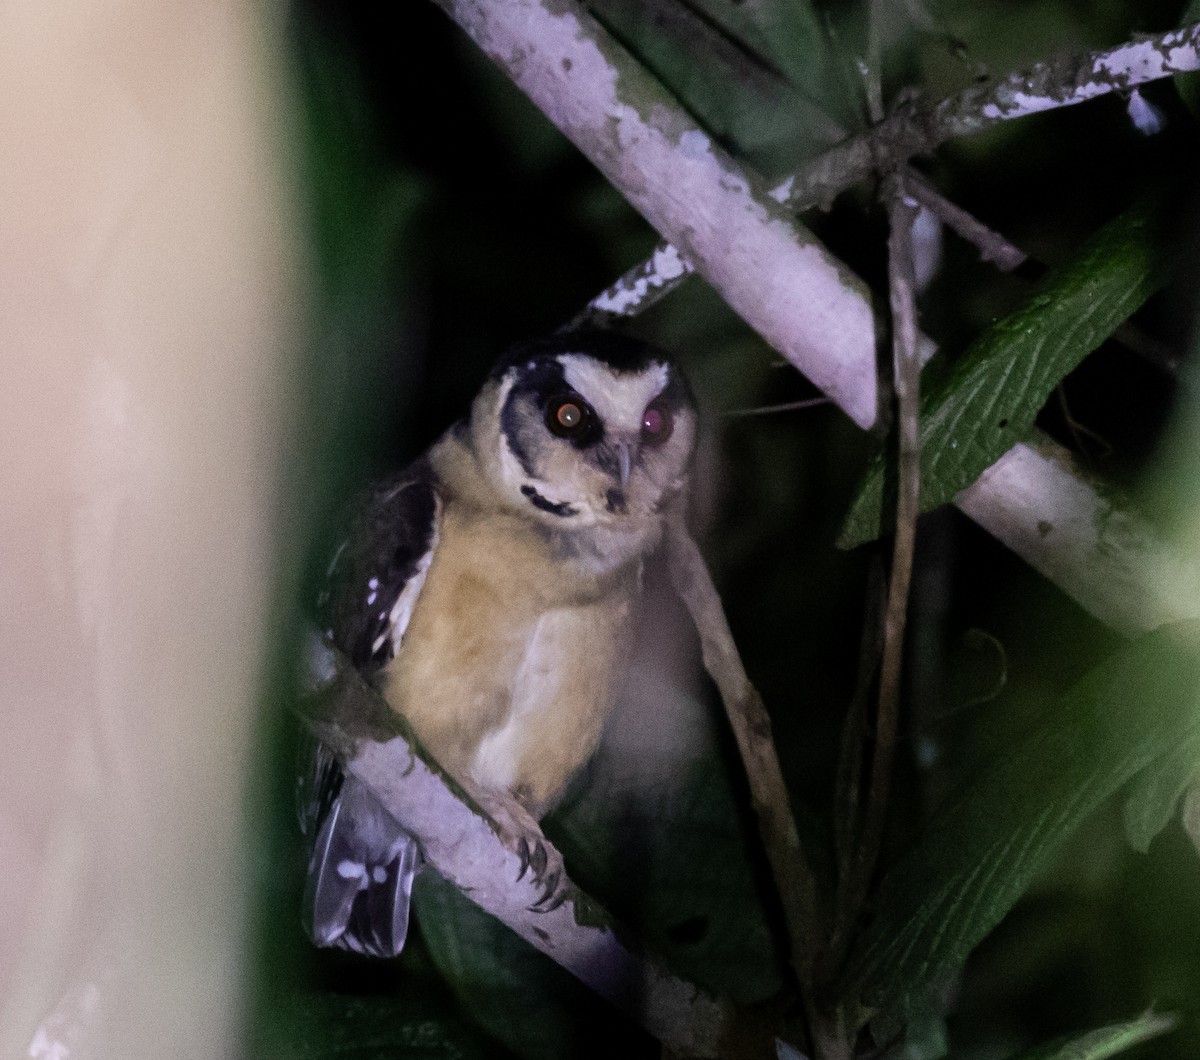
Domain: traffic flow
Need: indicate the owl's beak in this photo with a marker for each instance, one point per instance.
(624, 461)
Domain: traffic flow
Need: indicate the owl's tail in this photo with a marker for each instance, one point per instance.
(360, 876)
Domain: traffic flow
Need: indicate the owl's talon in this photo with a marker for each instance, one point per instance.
(536, 856)
(522, 852)
(538, 860)
(554, 893)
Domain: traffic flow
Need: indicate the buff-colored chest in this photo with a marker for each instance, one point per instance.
(512, 659)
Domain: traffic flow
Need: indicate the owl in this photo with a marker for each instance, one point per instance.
(487, 591)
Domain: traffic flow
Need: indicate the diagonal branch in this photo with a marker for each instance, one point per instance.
(374, 744)
(913, 130)
(1063, 82)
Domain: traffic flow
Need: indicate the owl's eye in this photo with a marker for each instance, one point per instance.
(569, 417)
(657, 424)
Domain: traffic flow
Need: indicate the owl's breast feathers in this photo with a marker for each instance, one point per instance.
(513, 655)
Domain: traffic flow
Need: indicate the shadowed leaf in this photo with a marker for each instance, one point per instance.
(984, 846)
(989, 400)
(1104, 1041)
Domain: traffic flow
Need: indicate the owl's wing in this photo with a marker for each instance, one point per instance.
(361, 861)
(379, 568)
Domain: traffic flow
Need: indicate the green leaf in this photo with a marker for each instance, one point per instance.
(1104, 1041)
(1154, 796)
(987, 842)
(735, 69)
(987, 403)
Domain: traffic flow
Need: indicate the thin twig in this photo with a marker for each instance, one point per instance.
(848, 783)
(374, 744)
(752, 729)
(902, 287)
(1062, 82)
(992, 245)
(1078, 430)
(786, 406)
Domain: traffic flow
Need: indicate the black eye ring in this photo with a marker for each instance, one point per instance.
(569, 416)
(657, 424)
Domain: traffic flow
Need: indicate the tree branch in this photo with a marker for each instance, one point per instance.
(991, 244)
(914, 130)
(1084, 537)
(1064, 82)
(374, 743)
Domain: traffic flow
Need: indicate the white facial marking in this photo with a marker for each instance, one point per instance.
(351, 870)
(619, 400)
(511, 471)
(510, 467)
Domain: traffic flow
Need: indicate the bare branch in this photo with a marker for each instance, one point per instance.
(914, 130)
(638, 289)
(1068, 80)
(785, 406)
(1084, 537)
(374, 744)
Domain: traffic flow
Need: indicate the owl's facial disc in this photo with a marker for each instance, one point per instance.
(586, 443)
